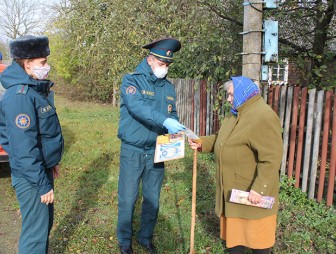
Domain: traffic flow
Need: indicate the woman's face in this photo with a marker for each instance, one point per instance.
(229, 94)
(30, 64)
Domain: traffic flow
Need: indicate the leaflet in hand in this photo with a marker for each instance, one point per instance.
(240, 197)
(192, 136)
(169, 147)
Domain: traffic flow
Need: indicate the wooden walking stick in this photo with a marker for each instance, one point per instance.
(193, 204)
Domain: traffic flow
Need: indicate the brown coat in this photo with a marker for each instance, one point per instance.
(248, 151)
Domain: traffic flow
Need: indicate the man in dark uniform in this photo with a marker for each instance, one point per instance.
(31, 134)
(147, 109)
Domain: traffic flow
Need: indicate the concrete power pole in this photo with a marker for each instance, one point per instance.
(252, 39)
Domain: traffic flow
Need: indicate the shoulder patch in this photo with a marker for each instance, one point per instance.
(131, 90)
(22, 89)
(22, 121)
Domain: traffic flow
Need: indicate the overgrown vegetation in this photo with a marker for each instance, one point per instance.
(94, 43)
(304, 226)
(307, 37)
(86, 197)
(97, 42)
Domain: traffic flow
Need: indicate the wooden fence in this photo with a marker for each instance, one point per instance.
(308, 119)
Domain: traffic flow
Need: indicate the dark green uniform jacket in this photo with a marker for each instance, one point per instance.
(29, 128)
(146, 102)
(248, 151)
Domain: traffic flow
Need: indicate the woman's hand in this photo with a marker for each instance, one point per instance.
(254, 197)
(56, 171)
(48, 198)
(194, 145)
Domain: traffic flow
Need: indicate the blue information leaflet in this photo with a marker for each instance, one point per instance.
(169, 147)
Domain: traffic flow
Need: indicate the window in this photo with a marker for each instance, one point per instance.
(278, 73)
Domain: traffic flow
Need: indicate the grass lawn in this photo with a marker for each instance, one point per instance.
(86, 196)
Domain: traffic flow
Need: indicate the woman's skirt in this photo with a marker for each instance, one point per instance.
(255, 234)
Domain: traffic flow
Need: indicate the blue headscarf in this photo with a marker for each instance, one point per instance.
(243, 90)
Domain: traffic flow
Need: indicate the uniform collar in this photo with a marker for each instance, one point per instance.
(145, 69)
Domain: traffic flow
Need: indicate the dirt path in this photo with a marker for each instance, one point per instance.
(10, 221)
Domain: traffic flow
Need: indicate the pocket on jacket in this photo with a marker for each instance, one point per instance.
(242, 181)
(170, 104)
(48, 121)
(149, 99)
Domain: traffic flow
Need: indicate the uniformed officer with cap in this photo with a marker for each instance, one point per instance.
(147, 109)
(30, 133)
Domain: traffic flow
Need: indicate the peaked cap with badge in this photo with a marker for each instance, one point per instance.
(147, 100)
(29, 46)
(164, 48)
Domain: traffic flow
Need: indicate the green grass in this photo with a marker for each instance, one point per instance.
(86, 193)
(305, 226)
(86, 197)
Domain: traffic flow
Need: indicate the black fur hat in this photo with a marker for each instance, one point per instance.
(29, 46)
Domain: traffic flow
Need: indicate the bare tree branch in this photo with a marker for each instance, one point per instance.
(20, 17)
(218, 12)
(296, 47)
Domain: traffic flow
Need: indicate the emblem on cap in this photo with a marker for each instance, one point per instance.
(164, 49)
(131, 90)
(22, 121)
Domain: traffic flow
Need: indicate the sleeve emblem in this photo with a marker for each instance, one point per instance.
(131, 90)
(22, 121)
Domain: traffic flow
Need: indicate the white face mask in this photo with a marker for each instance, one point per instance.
(41, 72)
(160, 72)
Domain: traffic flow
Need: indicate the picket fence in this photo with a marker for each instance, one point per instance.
(308, 119)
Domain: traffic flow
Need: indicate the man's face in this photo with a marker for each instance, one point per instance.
(155, 63)
(229, 94)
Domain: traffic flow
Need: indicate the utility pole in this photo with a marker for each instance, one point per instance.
(252, 39)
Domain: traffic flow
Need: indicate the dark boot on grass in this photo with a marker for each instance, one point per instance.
(126, 250)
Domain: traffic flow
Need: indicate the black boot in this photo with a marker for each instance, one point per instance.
(238, 250)
(126, 250)
(151, 249)
(261, 251)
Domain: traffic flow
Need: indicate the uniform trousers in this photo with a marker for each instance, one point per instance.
(137, 165)
(37, 217)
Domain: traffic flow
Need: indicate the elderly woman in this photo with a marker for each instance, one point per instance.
(31, 135)
(248, 151)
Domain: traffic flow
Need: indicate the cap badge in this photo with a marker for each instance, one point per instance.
(169, 53)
